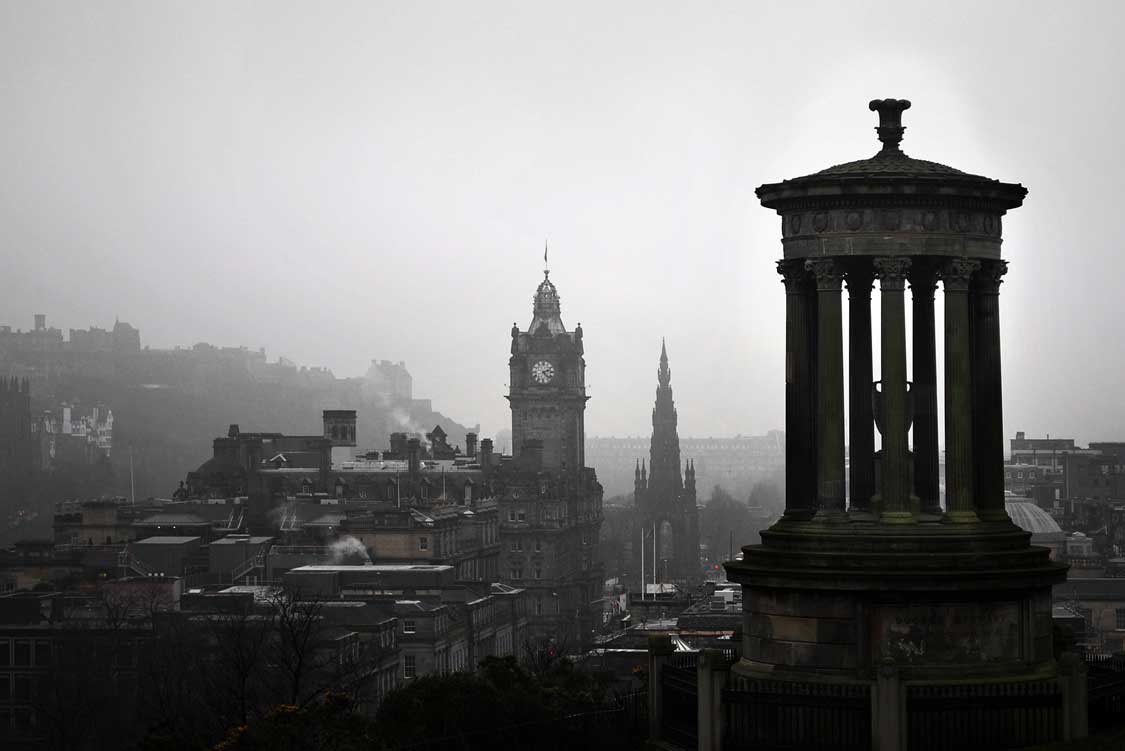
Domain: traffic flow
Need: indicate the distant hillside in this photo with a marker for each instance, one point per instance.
(169, 405)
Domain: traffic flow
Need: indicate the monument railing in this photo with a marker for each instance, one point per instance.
(680, 711)
(1106, 689)
(770, 714)
(988, 715)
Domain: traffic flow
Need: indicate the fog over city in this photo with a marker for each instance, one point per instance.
(378, 181)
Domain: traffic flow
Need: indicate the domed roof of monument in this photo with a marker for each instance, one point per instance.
(891, 169)
(891, 160)
(1030, 518)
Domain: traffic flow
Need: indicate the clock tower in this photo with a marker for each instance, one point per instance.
(547, 389)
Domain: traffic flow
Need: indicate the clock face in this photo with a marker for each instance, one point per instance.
(542, 371)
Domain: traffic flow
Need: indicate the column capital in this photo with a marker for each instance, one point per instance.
(892, 272)
(923, 278)
(957, 273)
(793, 276)
(828, 274)
(988, 279)
(859, 277)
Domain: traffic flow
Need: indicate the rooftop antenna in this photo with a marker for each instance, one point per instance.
(132, 484)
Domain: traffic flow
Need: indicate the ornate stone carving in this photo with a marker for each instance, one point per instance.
(930, 221)
(890, 128)
(957, 273)
(854, 220)
(859, 278)
(793, 276)
(828, 274)
(890, 220)
(820, 221)
(892, 272)
(988, 279)
(794, 223)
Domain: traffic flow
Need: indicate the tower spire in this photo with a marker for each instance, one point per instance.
(664, 374)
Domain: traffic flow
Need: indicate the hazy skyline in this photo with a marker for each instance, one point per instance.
(351, 181)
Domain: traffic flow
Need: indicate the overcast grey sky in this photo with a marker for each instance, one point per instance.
(344, 181)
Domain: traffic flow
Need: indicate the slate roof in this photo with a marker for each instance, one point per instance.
(890, 164)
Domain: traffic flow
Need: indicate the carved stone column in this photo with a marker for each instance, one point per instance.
(830, 390)
(861, 428)
(800, 415)
(895, 492)
(955, 277)
(923, 282)
(988, 396)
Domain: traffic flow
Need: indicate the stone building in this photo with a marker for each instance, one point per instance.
(550, 501)
(17, 444)
(664, 497)
(530, 521)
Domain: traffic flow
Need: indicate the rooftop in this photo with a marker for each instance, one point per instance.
(1030, 518)
(374, 568)
(165, 540)
(241, 540)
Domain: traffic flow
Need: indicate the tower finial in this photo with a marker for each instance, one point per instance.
(546, 266)
(890, 128)
(664, 373)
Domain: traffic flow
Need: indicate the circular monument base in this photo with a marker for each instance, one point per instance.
(933, 600)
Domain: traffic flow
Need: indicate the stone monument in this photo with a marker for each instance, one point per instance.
(930, 622)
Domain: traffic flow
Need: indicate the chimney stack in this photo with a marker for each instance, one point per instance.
(398, 446)
(414, 456)
(471, 445)
(486, 455)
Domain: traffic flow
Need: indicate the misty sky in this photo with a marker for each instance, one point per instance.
(344, 181)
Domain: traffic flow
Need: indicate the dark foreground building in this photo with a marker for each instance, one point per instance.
(880, 618)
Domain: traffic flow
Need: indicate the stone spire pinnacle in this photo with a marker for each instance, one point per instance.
(664, 374)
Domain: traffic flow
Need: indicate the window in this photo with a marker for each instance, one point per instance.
(42, 653)
(516, 546)
(409, 626)
(423, 543)
(538, 546)
(5, 653)
(538, 606)
(517, 572)
(22, 654)
(21, 688)
(1121, 619)
(521, 516)
(538, 573)
(409, 666)
(511, 514)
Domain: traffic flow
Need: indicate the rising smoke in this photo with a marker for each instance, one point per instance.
(348, 551)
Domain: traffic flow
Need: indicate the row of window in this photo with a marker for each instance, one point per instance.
(23, 653)
(516, 546)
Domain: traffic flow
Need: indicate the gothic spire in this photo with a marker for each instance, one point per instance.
(664, 374)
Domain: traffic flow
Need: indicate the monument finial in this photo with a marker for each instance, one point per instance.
(890, 128)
